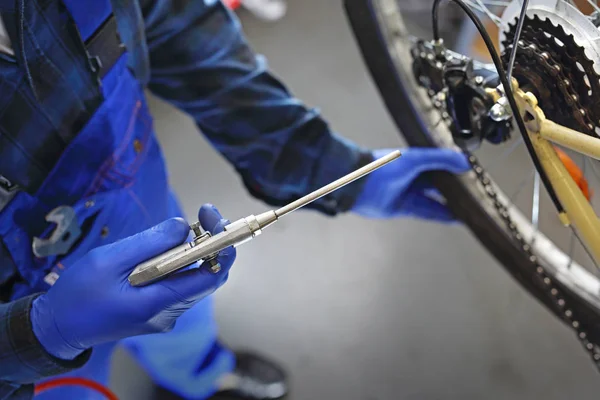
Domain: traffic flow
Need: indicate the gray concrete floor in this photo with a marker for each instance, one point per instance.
(386, 309)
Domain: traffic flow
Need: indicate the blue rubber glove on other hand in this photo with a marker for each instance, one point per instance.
(93, 303)
(399, 189)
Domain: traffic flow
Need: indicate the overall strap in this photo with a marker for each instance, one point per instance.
(97, 28)
(130, 23)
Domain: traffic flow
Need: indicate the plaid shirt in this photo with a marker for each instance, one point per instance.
(22, 358)
(191, 53)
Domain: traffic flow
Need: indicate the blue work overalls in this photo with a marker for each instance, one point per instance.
(113, 175)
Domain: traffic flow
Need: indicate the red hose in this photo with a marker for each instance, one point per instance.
(83, 382)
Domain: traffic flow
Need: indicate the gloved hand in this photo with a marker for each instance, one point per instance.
(93, 303)
(399, 189)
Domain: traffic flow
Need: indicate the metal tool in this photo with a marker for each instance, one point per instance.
(65, 234)
(206, 247)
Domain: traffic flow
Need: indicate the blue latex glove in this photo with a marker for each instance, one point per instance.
(399, 189)
(93, 303)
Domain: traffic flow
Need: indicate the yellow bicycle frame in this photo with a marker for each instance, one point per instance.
(542, 131)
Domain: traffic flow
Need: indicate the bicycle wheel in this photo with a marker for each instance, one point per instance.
(563, 283)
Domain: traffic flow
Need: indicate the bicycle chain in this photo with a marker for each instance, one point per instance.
(536, 79)
(536, 33)
(531, 51)
(577, 77)
(569, 65)
(581, 77)
(543, 279)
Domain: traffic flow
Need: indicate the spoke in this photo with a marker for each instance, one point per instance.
(594, 170)
(514, 146)
(535, 206)
(589, 253)
(593, 4)
(584, 169)
(522, 185)
(497, 3)
(574, 235)
(489, 13)
(513, 53)
(585, 165)
(479, 6)
(476, 7)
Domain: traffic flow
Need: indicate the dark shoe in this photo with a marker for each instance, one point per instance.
(254, 378)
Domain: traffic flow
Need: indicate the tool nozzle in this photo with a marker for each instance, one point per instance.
(335, 185)
(254, 224)
(266, 219)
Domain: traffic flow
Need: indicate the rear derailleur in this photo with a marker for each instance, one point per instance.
(461, 90)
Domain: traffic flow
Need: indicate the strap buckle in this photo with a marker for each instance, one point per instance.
(105, 47)
(8, 190)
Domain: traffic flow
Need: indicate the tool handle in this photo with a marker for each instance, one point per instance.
(155, 268)
(201, 248)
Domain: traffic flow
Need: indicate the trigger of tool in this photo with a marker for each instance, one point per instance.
(213, 264)
(62, 238)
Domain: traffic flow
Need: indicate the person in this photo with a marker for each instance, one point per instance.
(85, 194)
